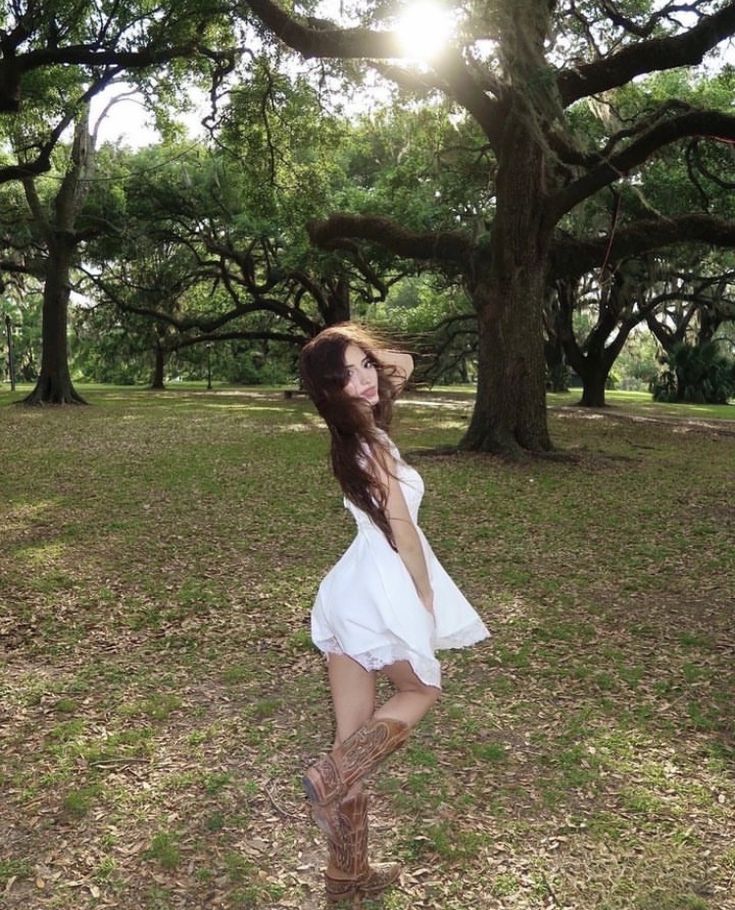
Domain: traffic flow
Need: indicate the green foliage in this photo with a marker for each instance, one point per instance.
(432, 315)
(24, 309)
(426, 167)
(110, 346)
(671, 182)
(697, 373)
(637, 365)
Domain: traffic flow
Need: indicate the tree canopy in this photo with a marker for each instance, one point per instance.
(546, 149)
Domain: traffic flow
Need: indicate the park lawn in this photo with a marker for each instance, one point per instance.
(629, 402)
(642, 403)
(160, 695)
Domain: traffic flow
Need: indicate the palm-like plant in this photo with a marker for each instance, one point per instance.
(695, 373)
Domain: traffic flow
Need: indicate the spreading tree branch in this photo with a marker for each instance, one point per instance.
(438, 246)
(42, 162)
(572, 257)
(324, 40)
(686, 49)
(298, 340)
(712, 124)
(643, 31)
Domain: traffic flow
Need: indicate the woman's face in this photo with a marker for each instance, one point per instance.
(362, 375)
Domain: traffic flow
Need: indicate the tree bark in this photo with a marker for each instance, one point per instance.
(556, 364)
(593, 366)
(510, 408)
(338, 302)
(159, 365)
(54, 385)
(593, 391)
(709, 322)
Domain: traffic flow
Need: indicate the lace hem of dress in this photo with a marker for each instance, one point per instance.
(428, 671)
(470, 635)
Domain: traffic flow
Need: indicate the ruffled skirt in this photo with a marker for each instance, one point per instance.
(367, 607)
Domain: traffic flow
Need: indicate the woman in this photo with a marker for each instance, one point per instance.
(386, 605)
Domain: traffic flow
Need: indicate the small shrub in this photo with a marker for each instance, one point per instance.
(700, 374)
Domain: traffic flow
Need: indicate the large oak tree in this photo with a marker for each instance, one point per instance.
(54, 56)
(545, 57)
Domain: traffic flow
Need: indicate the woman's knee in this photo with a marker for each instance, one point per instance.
(428, 694)
(432, 695)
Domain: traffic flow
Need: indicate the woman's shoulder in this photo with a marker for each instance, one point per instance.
(385, 439)
(392, 447)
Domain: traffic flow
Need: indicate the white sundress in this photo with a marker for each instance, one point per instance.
(368, 608)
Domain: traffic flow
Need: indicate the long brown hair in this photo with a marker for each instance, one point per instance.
(351, 426)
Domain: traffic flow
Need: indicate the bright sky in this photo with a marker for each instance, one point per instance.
(130, 123)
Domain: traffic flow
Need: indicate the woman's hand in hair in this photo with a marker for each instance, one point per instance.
(400, 366)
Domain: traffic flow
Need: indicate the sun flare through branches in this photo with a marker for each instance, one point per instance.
(424, 28)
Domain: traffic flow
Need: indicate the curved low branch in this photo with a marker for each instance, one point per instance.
(207, 324)
(711, 124)
(649, 56)
(572, 257)
(438, 246)
(344, 43)
(202, 322)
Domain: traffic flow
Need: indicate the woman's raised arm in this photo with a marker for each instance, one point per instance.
(402, 363)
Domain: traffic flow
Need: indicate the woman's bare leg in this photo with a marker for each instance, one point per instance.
(413, 698)
(353, 695)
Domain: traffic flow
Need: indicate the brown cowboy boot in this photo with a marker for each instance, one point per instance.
(349, 873)
(329, 778)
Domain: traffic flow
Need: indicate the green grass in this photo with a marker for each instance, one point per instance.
(160, 694)
(164, 850)
(630, 402)
(641, 402)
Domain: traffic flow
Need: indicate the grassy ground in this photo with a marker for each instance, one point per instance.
(630, 403)
(159, 693)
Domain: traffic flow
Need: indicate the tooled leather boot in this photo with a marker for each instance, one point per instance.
(328, 779)
(349, 873)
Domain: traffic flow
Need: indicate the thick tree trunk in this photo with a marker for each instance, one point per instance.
(159, 365)
(595, 365)
(593, 392)
(338, 298)
(510, 409)
(709, 323)
(54, 385)
(558, 379)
